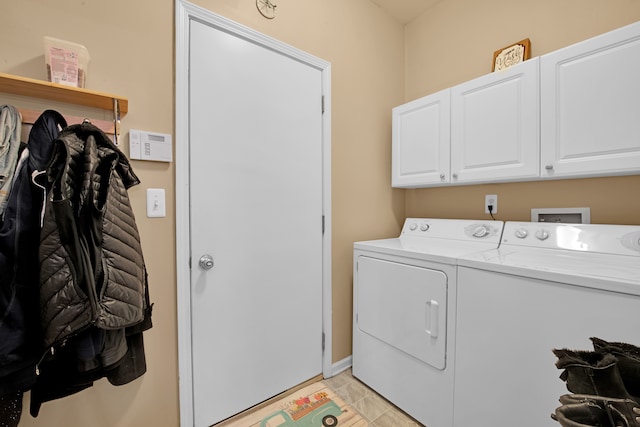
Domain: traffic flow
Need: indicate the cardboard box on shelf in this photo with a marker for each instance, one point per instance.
(66, 62)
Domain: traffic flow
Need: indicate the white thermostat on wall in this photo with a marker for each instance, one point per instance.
(152, 146)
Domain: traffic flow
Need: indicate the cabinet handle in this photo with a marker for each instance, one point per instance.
(455, 175)
(441, 176)
(549, 167)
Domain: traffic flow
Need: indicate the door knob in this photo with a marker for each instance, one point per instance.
(206, 262)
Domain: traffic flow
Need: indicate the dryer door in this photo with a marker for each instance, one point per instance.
(404, 306)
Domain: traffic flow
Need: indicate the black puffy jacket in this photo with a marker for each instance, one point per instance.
(92, 270)
(94, 300)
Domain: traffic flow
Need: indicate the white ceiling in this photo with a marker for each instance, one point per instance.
(405, 10)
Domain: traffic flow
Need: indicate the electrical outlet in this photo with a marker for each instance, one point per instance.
(491, 199)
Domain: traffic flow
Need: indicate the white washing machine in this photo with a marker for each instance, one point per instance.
(404, 312)
(547, 286)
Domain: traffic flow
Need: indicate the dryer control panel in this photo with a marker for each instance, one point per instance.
(453, 229)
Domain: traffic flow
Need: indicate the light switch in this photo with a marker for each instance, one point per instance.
(156, 206)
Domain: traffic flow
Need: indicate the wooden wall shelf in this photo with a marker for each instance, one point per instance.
(55, 92)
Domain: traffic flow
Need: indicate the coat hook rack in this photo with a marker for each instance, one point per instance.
(116, 120)
(33, 88)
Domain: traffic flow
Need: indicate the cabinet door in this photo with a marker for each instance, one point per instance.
(590, 100)
(495, 124)
(420, 153)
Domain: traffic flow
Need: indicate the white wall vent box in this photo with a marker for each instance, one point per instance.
(152, 146)
(564, 215)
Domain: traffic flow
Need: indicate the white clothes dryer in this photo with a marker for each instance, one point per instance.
(548, 286)
(404, 312)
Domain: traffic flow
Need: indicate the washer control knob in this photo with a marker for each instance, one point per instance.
(424, 227)
(481, 231)
(521, 233)
(542, 234)
(413, 226)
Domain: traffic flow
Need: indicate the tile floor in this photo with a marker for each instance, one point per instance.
(377, 411)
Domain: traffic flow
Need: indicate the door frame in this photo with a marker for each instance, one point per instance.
(185, 12)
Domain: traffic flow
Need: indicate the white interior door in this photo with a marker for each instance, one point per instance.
(256, 206)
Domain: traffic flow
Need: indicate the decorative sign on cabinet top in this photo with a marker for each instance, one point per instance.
(511, 55)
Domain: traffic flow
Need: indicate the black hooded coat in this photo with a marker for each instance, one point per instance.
(20, 330)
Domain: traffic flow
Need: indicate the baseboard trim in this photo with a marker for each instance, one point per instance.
(341, 365)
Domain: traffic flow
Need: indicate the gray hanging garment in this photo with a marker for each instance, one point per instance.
(10, 132)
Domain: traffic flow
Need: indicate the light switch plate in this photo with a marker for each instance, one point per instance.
(156, 206)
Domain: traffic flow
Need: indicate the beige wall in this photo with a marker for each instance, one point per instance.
(131, 46)
(131, 57)
(454, 42)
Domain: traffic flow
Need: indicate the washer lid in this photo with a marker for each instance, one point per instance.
(598, 256)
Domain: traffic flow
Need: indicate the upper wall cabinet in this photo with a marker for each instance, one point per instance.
(590, 107)
(571, 113)
(484, 130)
(420, 141)
(495, 126)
